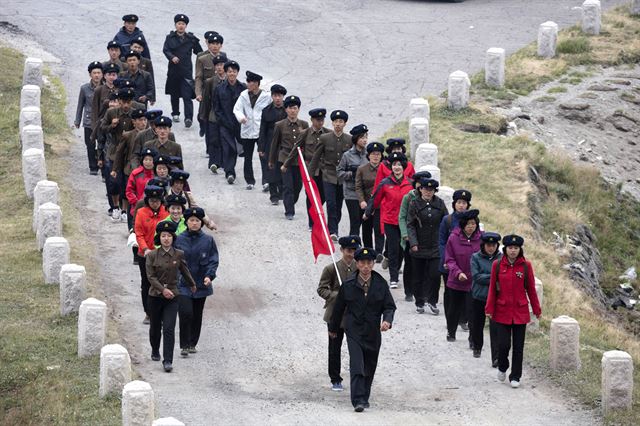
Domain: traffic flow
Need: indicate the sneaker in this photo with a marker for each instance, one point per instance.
(420, 309)
(477, 353)
(515, 384)
(167, 366)
(146, 320)
(188, 122)
(433, 309)
(334, 237)
(109, 212)
(359, 408)
(494, 363)
(337, 387)
(115, 215)
(193, 350)
(464, 326)
(288, 216)
(135, 261)
(214, 169)
(184, 352)
(155, 357)
(265, 187)
(249, 187)
(408, 298)
(451, 338)
(502, 375)
(123, 216)
(393, 284)
(275, 202)
(93, 172)
(385, 263)
(231, 179)
(379, 258)
(176, 118)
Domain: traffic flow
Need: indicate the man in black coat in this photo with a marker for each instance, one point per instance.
(363, 299)
(178, 47)
(274, 112)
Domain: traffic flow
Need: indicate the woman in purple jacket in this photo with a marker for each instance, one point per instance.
(463, 242)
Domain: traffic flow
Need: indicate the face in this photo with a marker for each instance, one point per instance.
(277, 99)
(375, 157)
(513, 251)
(461, 205)
(162, 132)
(365, 266)
(114, 53)
(162, 170)
(470, 227)
(130, 26)
(490, 248)
(110, 77)
(317, 123)
(397, 168)
(113, 104)
(181, 27)
(137, 47)
(147, 162)
(232, 74)
(219, 68)
(177, 186)
(292, 112)
(154, 203)
(215, 48)
(175, 212)
(338, 125)
(347, 254)
(133, 63)
(140, 123)
(194, 224)
(427, 192)
(166, 239)
(96, 75)
(362, 141)
(253, 86)
(125, 104)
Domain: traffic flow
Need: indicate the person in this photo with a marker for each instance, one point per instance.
(146, 220)
(205, 69)
(393, 145)
(139, 178)
(346, 171)
(481, 263)
(201, 254)
(101, 94)
(113, 49)
(207, 114)
(271, 114)
(143, 85)
(248, 111)
(286, 133)
(175, 204)
(365, 179)
(129, 33)
(424, 214)
(224, 99)
(463, 242)
(388, 198)
(163, 265)
(161, 143)
(177, 182)
(139, 45)
(178, 47)
(333, 275)
(149, 133)
(328, 154)
(309, 140)
(512, 283)
(84, 112)
(363, 299)
(461, 203)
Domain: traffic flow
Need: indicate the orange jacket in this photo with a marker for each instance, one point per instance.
(145, 227)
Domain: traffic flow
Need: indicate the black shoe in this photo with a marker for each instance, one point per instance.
(188, 122)
(93, 172)
(451, 338)
(494, 363)
(408, 298)
(201, 133)
(135, 261)
(476, 353)
(167, 366)
(359, 408)
(184, 352)
(155, 357)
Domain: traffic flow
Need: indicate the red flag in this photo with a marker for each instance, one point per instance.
(320, 240)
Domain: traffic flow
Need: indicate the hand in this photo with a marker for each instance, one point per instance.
(363, 205)
(385, 326)
(175, 60)
(462, 276)
(152, 103)
(488, 316)
(194, 289)
(167, 294)
(283, 169)
(365, 217)
(538, 316)
(77, 125)
(199, 98)
(147, 251)
(270, 166)
(113, 174)
(414, 248)
(143, 99)
(261, 154)
(100, 163)
(207, 281)
(212, 225)
(244, 120)
(333, 335)
(115, 122)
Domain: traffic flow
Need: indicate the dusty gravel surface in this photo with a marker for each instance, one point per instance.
(262, 356)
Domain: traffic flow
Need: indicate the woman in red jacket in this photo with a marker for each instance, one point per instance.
(388, 197)
(138, 179)
(512, 282)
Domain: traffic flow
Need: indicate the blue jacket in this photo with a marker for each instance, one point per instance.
(125, 39)
(201, 254)
(481, 265)
(444, 232)
(224, 99)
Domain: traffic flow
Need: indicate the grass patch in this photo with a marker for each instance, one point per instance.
(557, 89)
(573, 45)
(42, 380)
(545, 99)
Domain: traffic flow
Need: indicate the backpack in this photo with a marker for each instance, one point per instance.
(526, 275)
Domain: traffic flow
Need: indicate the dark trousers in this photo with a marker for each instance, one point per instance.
(248, 145)
(318, 181)
(465, 314)
(407, 272)
(212, 139)
(333, 196)
(113, 185)
(355, 216)
(362, 365)
(190, 312)
(162, 317)
(291, 186)
(426, 280)
(392, 232)
(185, 93)
(228, 140)
(264, 166)
(275, 191)
(454, 304)
(335, 354)
(372, 226)
(144, 284)
(508, 333)
(477, 329)
(91, 150)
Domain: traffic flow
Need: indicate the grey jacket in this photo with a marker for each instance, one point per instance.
(346, 171)
(85, 100)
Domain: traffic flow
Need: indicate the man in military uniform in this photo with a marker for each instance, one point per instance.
(271, 114)
(143, 84)
(178, 47)
(207, 115)
(286, 134)
(100, 100)
(113, 48)
(139, 45)
(161, 143)
(363, 299)
(84, 112)
(326, 158)
(205, 69)
(328, 288)
(130, 32)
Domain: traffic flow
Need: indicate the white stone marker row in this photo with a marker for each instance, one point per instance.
(34, 169)
(73, 287)
(48, 223)
(32, 137)
(446, 193)
(115, 369)
(30, 96)
(565, 344)
(534, 324)
(591, 17)
(54, 254)
(138, 404)
(617, 381)
(92, 327)
(547, 39)
(32, 72)
(30, 115)
(46, 191)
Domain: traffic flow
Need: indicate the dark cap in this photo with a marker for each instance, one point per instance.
(513, 240)
(358, 130)
(111, 67)
(318, 113)
(490, 237)
(215, 38)
(219, 59)
(339, 114)
(350, 241)
(231, 64)
(468, 215)
(113, 45)
(277, 88)
(209, 34)
(94, 65)
(421, 174)
(178, 175)
(161, 159)
(163, 121)
(175, 200)
(375, 147)
(196, 211)
(393, 142)
(123, 83)
(166, 226)
(139, 40)
(138, 113)
(130, 18)
(427, 182)
(126, 93)
(113, 96)
(174, 160)
(365, 253)
(181, 17)
(292, 100)
(398, 156)
(157, 181)
(252, 76)
(148, 152)
(132, 53)
(153, 191)
(462, 194)
(152, 114)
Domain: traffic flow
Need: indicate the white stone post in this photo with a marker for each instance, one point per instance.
(458, 90)
(565, 344)
(49, 223)
(635, 7)
(420, 108)
(167, 421)
(32, 72)
(138, 404)
(54, 254)
(617, 381)
(494, 67)
(426, 155)
(46, 191)
(591, 17)
(418, 134)
(73, 284)
(30, 115)
(115, 369)
(30, 96)
(92, 327)
(34, 169)
(547, 39)
(32, 137)
(446, 194)
(434, 170)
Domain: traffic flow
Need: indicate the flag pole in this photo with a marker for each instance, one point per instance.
(317, 206)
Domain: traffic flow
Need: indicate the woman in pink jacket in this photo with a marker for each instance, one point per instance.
(512, 283)
(463, 242)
